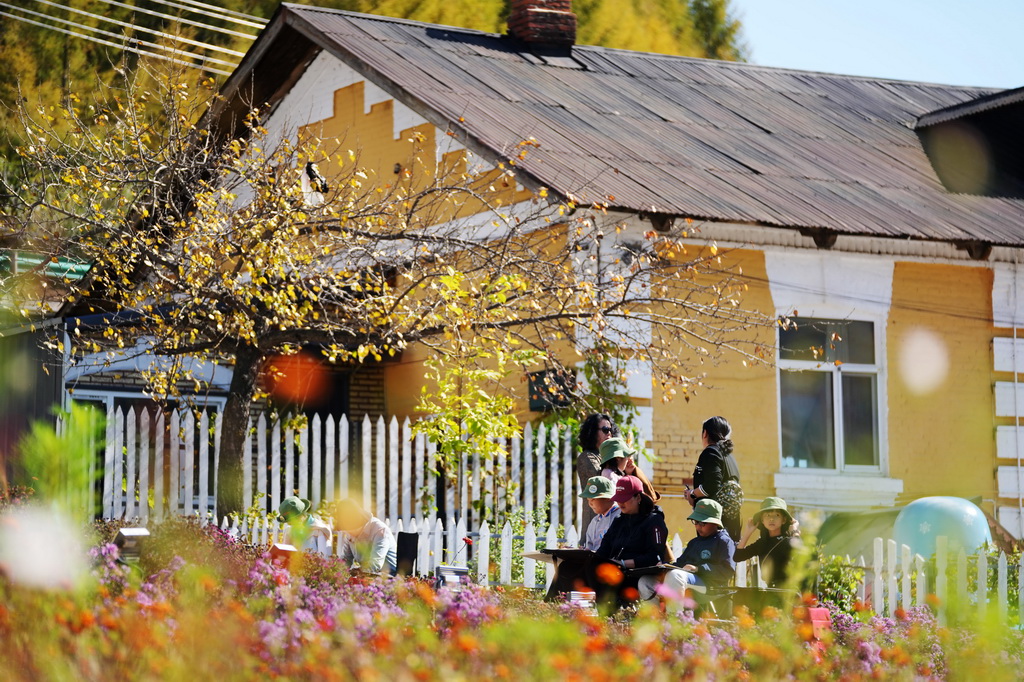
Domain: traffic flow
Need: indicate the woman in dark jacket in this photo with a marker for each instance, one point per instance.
(715, 467)
(636, 539)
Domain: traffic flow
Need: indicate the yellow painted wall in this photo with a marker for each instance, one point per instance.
(745, 395)
(941, 436)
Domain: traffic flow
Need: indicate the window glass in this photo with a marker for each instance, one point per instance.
(859, 419)
(803, 340)
(859, 342)
(808, 435)
(818, 340)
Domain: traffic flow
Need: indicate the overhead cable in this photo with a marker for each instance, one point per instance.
(122, 46)
(127, 39)
(135, 27)
(199, 24)
(219, 14)
(252, 17)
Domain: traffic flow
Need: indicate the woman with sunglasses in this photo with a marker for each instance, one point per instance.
(595, 429)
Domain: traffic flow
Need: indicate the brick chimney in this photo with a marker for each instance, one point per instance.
(542, 22)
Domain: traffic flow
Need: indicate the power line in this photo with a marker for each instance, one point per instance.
(121, 46)
(129, 39)
(259, 20)
(126, 24)
(171, 17)
(218, 14)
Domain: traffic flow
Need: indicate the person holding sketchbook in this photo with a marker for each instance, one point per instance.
(636, 539)
(706, 562)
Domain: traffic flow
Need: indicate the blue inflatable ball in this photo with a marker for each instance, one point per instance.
(924, 520)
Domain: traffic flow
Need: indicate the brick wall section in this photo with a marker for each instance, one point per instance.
(366, 392)
(548, 22)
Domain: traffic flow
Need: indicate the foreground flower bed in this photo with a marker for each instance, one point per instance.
(202, 606)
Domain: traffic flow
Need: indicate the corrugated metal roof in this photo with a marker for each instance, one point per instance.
(714, 140)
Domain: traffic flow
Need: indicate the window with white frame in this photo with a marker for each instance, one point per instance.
(829, 394)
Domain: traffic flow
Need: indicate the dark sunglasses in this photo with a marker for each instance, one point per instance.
(607, 429)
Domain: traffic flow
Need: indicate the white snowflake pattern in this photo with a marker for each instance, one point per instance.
(925, 528)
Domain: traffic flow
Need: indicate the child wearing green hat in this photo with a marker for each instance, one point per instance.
(303, 527)
(598, 493)
(617, 461)
(774, 546)
(706, 562)
(570, 573)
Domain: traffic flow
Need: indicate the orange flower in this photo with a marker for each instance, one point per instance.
(559, 661)
(426, 594)
(595, 644)
(743, 619)
(467, 643)
(381, 641)
(630, 593)
(609, 574)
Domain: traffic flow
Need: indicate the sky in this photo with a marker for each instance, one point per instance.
(954, 42)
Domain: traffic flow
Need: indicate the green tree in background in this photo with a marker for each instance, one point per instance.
(717, 32)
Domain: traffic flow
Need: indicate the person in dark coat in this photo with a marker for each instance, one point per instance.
(715, 466)
(637, 539)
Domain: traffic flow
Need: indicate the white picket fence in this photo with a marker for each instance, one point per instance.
(154, 467)
(442, 544)
(895, 579)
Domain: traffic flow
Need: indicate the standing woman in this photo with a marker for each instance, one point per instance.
(595, 429)
(717, 475)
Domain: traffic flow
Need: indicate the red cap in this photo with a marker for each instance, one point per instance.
(627, 488)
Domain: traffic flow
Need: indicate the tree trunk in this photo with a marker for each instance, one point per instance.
(235, 430)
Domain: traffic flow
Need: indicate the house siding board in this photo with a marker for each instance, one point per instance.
(847, 140)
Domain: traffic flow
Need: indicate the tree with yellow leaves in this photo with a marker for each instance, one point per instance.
(208, 244)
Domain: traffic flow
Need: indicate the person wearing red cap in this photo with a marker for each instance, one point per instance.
(637, 539)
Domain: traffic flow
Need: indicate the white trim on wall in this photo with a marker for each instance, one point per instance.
(836, 491)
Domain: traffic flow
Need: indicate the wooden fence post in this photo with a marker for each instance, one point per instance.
(530, 545)
(484, 557)
(877, 587)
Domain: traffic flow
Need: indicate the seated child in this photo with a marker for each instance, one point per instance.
(777, 538)
(366, 539)
(304, 528)
(570, 573)
(598, 493)
(706, 562)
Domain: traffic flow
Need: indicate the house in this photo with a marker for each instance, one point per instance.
(885, 217)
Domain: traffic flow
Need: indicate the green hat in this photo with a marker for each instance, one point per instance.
(293, 506)
(772, 504)
(708, 511)
(615, 447)
(598, 487)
